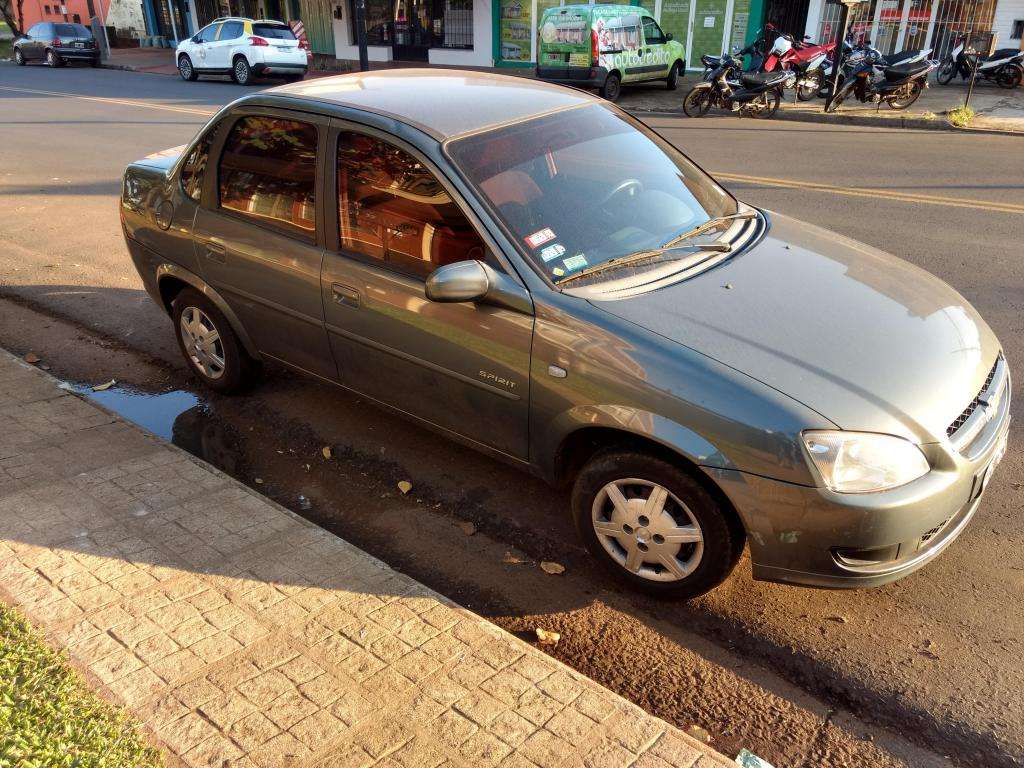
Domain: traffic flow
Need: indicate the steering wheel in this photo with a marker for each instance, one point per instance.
(628, 184)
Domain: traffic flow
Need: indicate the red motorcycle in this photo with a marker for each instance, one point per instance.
(803, 58)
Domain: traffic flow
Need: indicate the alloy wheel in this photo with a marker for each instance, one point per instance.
(202, 342)
(647, 530)
(185, 68)
(19, 57)
(241, 72)
(52, 59)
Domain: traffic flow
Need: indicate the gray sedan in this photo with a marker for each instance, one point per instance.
(531, 271)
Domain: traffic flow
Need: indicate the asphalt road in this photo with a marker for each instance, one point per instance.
(900, 675)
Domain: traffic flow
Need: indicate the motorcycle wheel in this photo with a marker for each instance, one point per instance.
(810, 88)
(767, 105)
(697, 102)
(1008, 77)
(906, 101)
(946, 72)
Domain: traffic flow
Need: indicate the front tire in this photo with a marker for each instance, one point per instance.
(241, 72)
(1009, 77)
(209, 344)
(53, 59)
(612, 88)
(186, 69)
(672, 82)
(653, 525)
(946, 72)
(19, 57)
(697, 101)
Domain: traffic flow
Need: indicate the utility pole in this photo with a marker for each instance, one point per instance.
(839, 54)
(364, 56)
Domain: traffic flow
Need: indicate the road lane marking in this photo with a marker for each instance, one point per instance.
(124, 102)
(905, 197)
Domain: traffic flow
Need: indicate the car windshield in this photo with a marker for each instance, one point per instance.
(273, 31)
(587, 185)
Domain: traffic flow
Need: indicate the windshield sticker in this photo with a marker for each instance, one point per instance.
(552, 252)
(575, 262)
(538, 238)
(557, 271)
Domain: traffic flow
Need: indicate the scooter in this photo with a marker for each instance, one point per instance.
(1005, 67)
(754, 94)
(805, 59)
(909, 56)
(867, 76)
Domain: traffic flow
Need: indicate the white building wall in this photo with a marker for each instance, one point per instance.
(1007, 11)
(125, 15)
(481, 54)
(345, 47)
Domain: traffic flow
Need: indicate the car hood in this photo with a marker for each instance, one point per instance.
(163, 160)
(867, 340)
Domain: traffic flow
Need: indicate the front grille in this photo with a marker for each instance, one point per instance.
(930, 533)
(960, 420)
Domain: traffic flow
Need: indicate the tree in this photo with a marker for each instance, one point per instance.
(11, 10)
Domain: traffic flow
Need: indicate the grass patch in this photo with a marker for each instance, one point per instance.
(6, 49)
(961, 117)
(49, 718)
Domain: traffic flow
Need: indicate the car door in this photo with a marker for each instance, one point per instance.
(257, 237)
(219, 50)
(38, 40)
(656, 57)
(200, 48)
(463, 367)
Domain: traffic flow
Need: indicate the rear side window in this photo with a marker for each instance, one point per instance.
(231, 30)
(39, 30)
(393, 210)
(273, 31)
(194, 169)
(268, 173)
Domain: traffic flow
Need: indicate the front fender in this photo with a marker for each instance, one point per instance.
(168, 271)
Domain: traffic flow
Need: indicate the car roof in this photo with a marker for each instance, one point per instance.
(603, 8)
(442, 103)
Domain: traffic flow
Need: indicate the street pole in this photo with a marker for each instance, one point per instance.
(839, 54)
(364, 56)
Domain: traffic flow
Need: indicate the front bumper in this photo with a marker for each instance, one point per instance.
(815, 537)
(580, 77)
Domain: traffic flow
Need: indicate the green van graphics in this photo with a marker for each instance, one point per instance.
(603, 46)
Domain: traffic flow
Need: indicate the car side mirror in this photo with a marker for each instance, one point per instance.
(668, 36)
(196, 39)
(474, 281)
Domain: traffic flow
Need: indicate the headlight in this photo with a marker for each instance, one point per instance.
(859, 462)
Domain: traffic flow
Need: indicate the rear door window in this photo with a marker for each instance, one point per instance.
(267, 173)
(231, 30)
(273, 31)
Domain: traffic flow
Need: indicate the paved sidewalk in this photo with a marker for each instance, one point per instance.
(244, 636)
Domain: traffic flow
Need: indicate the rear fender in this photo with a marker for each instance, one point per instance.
(167, 271)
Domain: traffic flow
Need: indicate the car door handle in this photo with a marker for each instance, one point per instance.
(345, 294)
(215, 252)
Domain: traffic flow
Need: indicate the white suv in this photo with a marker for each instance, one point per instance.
(243, 48)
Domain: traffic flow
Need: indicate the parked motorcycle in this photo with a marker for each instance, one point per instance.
(803, 58)
(1005, 67)
(871, 79)
(755, 94)
(909, 56)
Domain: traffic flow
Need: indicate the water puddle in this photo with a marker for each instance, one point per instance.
(178, 416)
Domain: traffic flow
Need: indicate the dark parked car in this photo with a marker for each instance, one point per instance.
(56, 43)
(530, 270)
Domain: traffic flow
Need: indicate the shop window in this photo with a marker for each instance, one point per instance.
(47, 9)
(1017, 32)
(393, 210)
(268, 173)
(77, 19)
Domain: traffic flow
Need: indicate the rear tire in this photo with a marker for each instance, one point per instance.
(186, 69)
(946, 72)
(19, 57)
(915, 91)
(769, 105)
(612, 88)
(631, 533)
(672, 82)
(697, 101)
(53, 59)
(209, 344)
(241, 72)
(1009, 77)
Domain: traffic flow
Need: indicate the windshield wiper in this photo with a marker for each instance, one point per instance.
(710, 224)
(639, 256)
